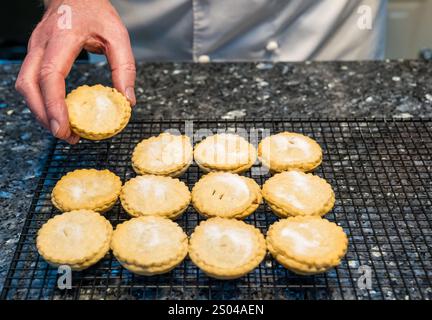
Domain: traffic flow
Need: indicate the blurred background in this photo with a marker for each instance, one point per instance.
(409, 29)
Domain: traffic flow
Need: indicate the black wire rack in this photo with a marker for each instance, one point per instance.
(380, 171)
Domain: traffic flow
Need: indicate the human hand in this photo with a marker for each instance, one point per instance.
(52, 49)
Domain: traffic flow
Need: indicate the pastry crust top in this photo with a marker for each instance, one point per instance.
(154, 195)
(226, 247)
(225, 152)
(149, 241)
(226, 195)
(289, 150)
(299, 193)
(73, 237)
(162, 154)
(97, 112)
(311, 241)
(86, 189)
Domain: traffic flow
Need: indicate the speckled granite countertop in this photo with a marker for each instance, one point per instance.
(333, 89)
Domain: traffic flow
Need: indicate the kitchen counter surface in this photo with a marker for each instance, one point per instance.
(399, 89)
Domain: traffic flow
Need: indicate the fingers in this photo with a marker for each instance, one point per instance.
(122, 63)
(73, 139)
(27, 84)
(57, 61)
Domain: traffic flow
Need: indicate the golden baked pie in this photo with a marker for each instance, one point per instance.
(97, 112)
(289, 150)
(149, 245)
(155, 195)
(165, 154)
(226, 248)
(91, 189)
(307, 244)
(294, 193)
(225, 152)
(77, 238)
(226, 195)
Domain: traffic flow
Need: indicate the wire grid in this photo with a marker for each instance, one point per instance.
(380, 171)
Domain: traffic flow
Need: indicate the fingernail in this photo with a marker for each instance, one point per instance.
(130, 95)
(73, 139)
(54, 126)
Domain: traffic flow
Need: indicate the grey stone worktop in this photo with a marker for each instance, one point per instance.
(318, 89)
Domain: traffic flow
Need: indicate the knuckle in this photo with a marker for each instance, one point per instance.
(120, 34)
(39, 26)
(51, 105)
(129, 67)
(22, 84)
(123, 32)
(30, 44)
(47, 70)
(36, 38)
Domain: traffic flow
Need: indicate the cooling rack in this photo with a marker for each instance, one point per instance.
(380, 171)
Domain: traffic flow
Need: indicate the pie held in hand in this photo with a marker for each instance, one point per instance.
(97, 112)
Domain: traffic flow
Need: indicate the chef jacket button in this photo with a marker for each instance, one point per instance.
(204, 59)
(272, 46)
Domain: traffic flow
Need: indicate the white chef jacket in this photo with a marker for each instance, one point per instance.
(250, 30)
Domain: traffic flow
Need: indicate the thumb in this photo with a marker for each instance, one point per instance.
(122, 65)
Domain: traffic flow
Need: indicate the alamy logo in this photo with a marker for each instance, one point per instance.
(365, 280)
(364, 22)
(64, 281)
(65, 20)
